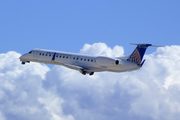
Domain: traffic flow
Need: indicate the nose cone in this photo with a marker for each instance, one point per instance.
(23, 57)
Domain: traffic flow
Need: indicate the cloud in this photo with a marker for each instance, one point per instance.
(102, 49)
(21, 92)
(34, 91)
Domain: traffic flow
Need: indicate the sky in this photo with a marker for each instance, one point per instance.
(40, 91)
(68, 25)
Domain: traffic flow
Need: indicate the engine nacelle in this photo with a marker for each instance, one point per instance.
(106, 61)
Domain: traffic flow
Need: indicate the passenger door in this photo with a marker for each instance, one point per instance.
(35, 55)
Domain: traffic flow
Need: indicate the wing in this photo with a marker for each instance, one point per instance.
(75, 67)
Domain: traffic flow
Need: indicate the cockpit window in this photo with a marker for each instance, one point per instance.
(30, 52)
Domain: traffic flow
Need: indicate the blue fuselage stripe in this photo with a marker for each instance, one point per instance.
(53, 58)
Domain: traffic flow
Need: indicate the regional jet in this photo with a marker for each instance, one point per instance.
(86, 64)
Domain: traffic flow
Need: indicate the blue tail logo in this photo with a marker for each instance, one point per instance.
(135, 57)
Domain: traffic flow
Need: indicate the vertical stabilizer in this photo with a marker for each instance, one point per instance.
(138, 53)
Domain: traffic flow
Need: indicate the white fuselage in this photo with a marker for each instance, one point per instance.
(79, 62)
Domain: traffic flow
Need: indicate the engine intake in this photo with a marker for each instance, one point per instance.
(117, 62)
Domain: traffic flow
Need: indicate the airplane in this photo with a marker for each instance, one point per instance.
(89, 64)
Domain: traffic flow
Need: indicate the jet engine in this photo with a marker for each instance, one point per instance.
(106, 61)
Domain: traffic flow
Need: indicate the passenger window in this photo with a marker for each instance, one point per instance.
(63, 56)
(88, 59)
(76, 58)
(67, 57)
(56, 55)
(73, 57)
(91, 60)
(46, 54)
(43, 54)
(60, 56)
(49, 55)
(84, 59)
(81, 58)
(39, 53)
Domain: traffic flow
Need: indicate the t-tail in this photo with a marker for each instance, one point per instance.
(138, 53)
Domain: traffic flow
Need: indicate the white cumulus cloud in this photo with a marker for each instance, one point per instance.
(102, 49)
(21, 94)
(34, 91)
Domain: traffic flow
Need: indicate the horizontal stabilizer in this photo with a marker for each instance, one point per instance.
(156, 46)
(146, 45)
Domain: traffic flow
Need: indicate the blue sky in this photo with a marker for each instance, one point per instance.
(68, 25)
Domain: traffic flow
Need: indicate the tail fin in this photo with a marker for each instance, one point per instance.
(138, 53)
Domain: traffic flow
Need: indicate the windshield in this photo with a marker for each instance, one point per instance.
(30, 52)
